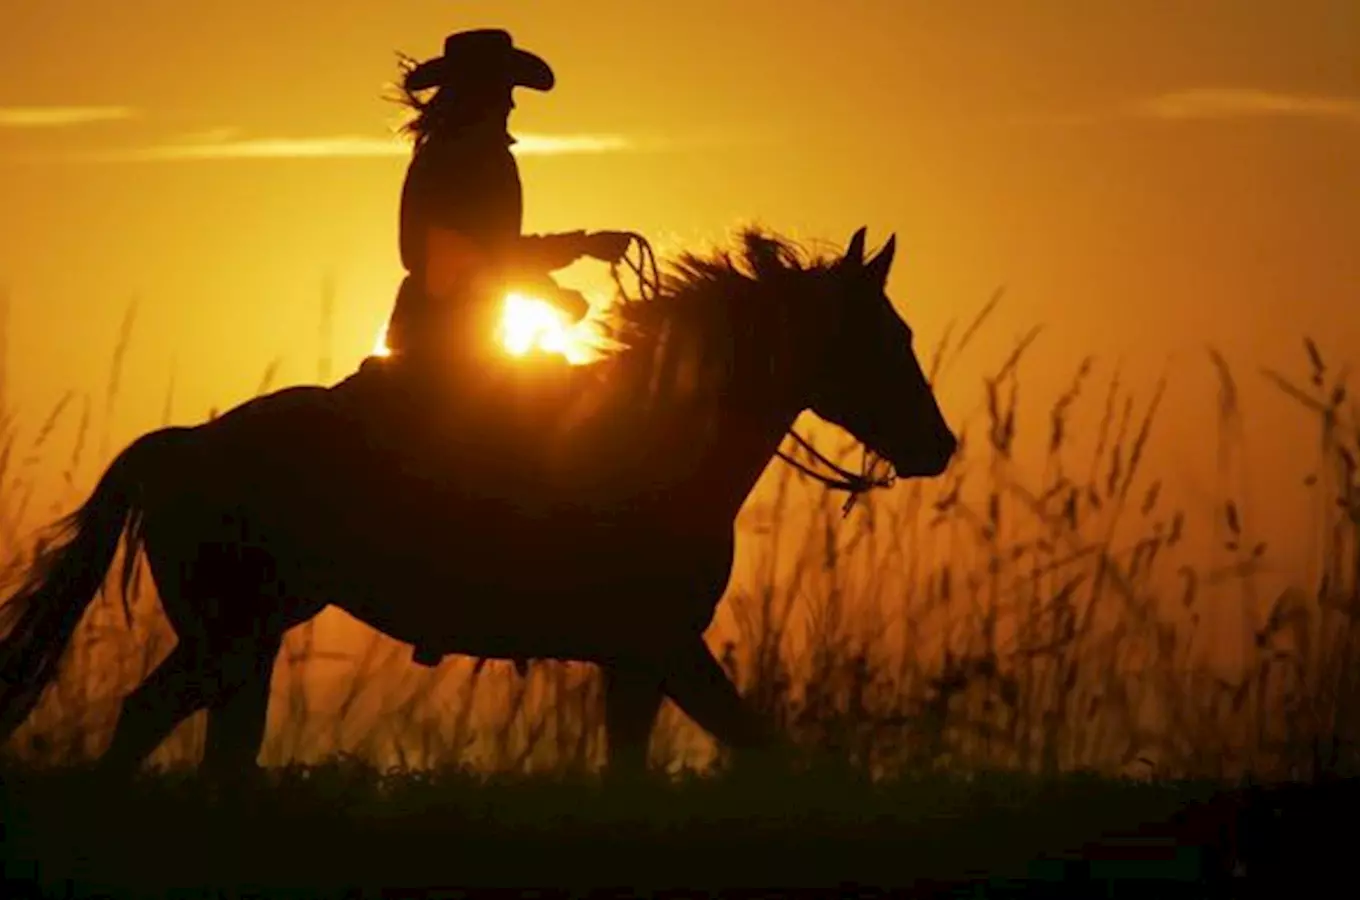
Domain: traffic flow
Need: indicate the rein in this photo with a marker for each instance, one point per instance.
(648, 278)
(855, 484)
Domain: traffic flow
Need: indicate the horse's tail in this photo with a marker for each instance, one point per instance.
(68, 569)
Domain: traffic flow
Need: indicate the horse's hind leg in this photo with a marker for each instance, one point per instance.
(695, 680)
(239, 709)
(167, 697)
(632, 697)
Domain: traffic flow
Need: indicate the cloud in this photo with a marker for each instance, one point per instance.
(225, 144)
(221, 146)
(1228, 103)
(553, 145)
(61, 116)
(1199, 104)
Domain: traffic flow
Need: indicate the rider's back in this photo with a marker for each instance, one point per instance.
(462, 186)
(467, 181)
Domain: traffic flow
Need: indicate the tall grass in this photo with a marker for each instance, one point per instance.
(1042, 618)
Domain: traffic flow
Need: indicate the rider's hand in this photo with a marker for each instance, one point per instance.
(572, 303)
(608, 246)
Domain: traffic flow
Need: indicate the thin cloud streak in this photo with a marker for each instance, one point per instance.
(343, 147)
(1228, 103)
(61, 116)
(553, 145)
(1200, 105)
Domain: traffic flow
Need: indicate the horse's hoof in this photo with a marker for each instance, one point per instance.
(763, 761)
(110, 771)
(233, 784)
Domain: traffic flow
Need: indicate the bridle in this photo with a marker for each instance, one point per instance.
(647, 277)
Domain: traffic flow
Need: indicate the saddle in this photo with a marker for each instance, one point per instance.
(504, 422)
(535, 433)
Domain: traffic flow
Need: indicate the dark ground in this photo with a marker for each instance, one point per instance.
(342, 831)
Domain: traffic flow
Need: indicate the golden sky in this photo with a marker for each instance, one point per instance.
(1145, 178)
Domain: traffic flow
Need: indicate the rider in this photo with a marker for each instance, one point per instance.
(462, 202)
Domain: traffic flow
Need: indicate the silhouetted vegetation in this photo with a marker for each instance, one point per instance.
(1008, 658)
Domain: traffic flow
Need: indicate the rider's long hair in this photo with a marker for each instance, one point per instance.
(436, 112)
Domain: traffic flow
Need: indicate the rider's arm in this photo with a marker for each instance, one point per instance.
(557, 251)
(550, 252)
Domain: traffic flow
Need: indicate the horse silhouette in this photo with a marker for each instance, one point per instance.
(600, 528)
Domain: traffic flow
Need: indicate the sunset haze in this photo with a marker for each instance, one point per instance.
(1145, 180)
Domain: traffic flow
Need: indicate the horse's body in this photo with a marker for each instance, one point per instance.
(597, 536)
(497, 568)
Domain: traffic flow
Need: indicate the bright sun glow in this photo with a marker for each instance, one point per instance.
(528, 324)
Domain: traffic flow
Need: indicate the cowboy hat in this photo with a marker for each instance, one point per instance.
(482, 54)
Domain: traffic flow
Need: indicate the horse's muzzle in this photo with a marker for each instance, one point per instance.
(928, 459)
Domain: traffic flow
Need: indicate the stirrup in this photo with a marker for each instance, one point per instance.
(425, 655)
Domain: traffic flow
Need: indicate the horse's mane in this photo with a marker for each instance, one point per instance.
(680, 341)
(699, 290)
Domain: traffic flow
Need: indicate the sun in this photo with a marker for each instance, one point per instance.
(380, 347)
(529, 324)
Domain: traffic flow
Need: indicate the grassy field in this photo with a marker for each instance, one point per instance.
(986, 671)
(342, 829)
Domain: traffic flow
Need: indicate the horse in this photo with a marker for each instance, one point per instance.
(608, 537)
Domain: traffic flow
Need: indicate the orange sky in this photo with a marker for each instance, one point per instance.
(1144, 178)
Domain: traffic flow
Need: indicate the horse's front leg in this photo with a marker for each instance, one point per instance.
(695, 680)
(632, 698)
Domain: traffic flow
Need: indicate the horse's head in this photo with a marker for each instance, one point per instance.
(800, 331)
(867, 379)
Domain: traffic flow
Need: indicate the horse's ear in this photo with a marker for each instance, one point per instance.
(855, 252)
(877, 268)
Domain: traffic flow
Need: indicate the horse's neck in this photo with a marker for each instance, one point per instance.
(694, 420)
(730, 408)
